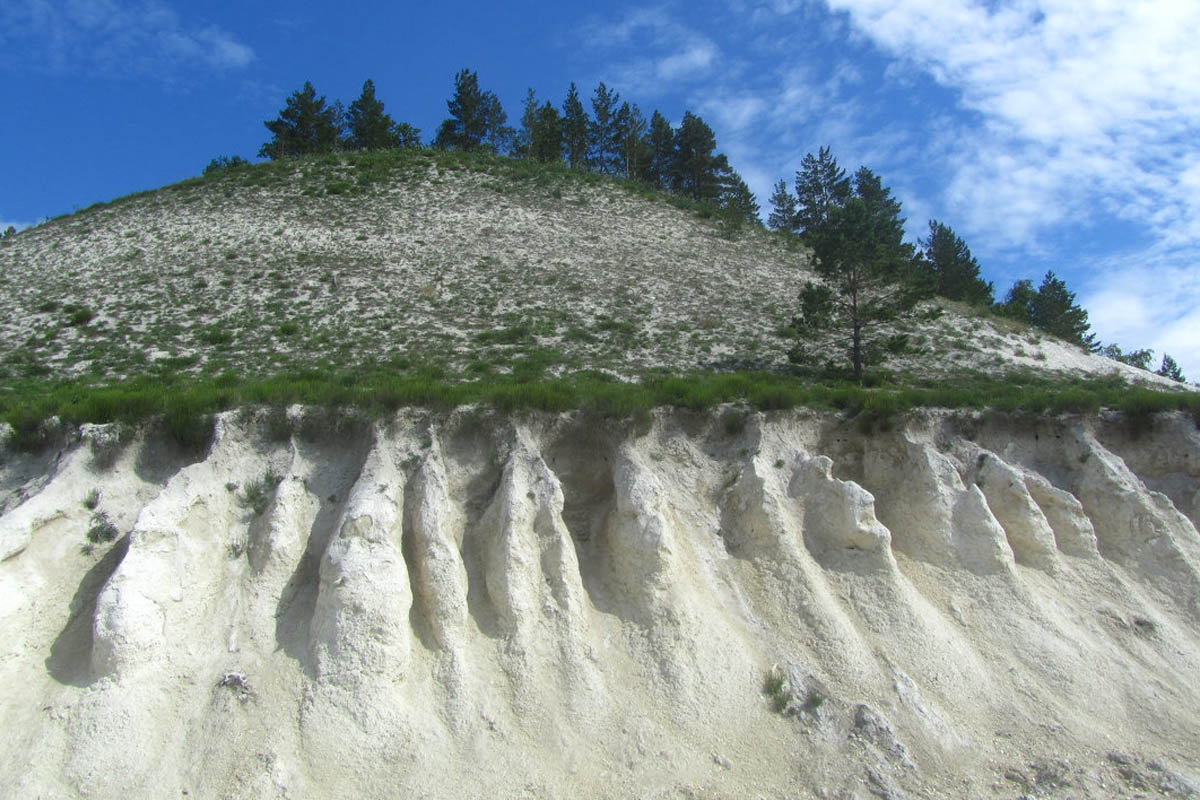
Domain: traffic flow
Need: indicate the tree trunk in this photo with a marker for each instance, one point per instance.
(856, 353)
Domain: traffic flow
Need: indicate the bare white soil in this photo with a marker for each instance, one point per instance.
(461, 606)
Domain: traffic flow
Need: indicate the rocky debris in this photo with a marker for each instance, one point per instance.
(1152, 776)
(874, 728)
(236, 683)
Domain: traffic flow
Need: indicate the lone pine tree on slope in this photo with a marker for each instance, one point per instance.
(857, 241)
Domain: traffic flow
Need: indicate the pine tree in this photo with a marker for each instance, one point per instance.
(469, 109)
(522, 146)
(407, 135)
(575, 130)
(368, 127)
(631, 133)
(498, 136)
(866, 267)
(547, 135)
(660, 152)
(1170, 369)
(783, 209)
(221, 163)
(695, 168)
(950, 266)
(604, 144)
(736, 199)
(1018, 302)
(1051, 308)
(821, 187)
(1054, 310)
(1134, 358)
(305, 125)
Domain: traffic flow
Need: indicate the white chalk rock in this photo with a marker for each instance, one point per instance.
(1073, 531)
(19, 525)
(278, 537)
(360, 627)
(1137, 526)
(169, 577)
(916, 489)
(640, 538)
(440, 578)
(839, 516)
(979, 539)
(530, 564)
(1029, 533)
(760, 516)
(16, 530)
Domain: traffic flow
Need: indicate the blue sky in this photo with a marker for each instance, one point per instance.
(1050, 134)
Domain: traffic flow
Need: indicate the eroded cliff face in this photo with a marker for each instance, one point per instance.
(721, 605)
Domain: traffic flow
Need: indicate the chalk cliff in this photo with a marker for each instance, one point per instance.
(715, 605)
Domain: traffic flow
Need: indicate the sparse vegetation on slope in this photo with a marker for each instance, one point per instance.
(422, 277)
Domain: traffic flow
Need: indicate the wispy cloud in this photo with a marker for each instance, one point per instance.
(113, 37)
(1084, 109)
(1153, 303)
(653, 52)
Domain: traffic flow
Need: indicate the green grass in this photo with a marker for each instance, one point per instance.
(185, 405)
(258, 492)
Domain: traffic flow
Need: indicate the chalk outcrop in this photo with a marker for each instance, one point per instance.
(470, 605)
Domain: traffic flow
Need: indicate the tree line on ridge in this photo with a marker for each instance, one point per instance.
(852, 224)
(615, 139)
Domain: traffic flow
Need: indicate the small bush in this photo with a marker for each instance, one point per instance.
(222, 163)
(215, 336)
(775, 688)
(188, 423)
(257, 493)
(102, 530)
(276, 426)
(92, 500)
(516, 334)
(733, 420)
(78, 315)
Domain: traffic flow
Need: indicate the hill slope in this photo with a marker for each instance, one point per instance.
(470, 263)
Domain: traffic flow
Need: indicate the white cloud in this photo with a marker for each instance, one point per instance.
(1086, 108)
(114, 37)
(1153, 304)
(653, 52)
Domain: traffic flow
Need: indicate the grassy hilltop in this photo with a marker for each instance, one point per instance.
(437, 278)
